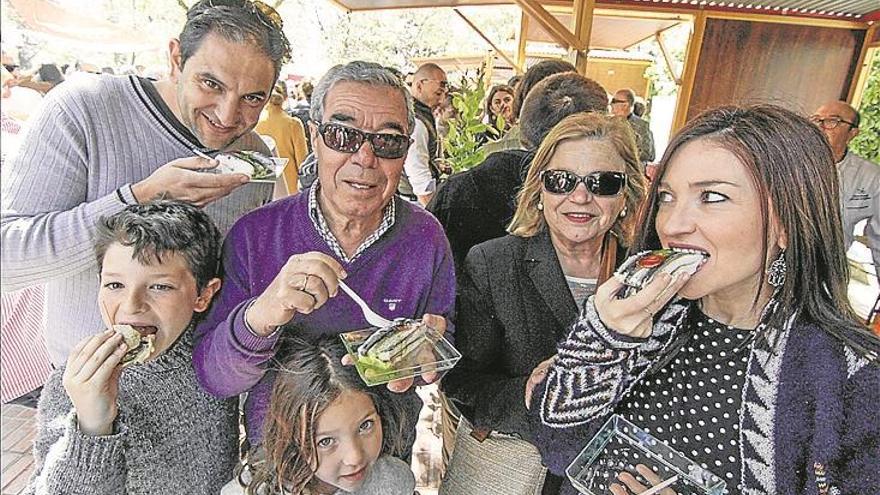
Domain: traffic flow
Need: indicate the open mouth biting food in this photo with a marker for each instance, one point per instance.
(638, 270)
(139, 346)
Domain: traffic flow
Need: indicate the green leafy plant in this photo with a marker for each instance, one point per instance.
(462, 148)
(867, 143)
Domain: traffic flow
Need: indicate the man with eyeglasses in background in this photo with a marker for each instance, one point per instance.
(421, 171)
(859, 178)
(622, 105)
(283, 263)
(101, 143)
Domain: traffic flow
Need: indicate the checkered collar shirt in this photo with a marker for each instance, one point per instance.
(320, 223)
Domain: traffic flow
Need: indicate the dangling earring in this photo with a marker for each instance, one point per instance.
(540, 206)
(776, 271)
(623, 212)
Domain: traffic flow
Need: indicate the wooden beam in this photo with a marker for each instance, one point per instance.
(339, 5)
(863, 68)
(499, 51)
(786, 19)
(521, 43)
(692, 58)
(560, 34)
(675, 77)
(582, 25)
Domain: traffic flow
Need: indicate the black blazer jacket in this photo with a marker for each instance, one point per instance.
(514, 305)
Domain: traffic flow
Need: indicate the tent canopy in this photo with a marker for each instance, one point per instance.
(81, 30)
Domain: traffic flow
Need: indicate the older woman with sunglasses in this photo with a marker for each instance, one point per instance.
(284, 263)
(519, 294)
(754, 366)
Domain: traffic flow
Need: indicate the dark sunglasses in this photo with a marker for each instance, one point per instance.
(598, 183)
(346, 139)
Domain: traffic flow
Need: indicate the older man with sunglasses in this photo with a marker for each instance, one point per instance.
(859, 178)
(284, 262)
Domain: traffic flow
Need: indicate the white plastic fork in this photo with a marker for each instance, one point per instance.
(369, 315)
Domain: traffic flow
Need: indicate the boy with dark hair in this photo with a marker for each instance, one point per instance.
(148, 428)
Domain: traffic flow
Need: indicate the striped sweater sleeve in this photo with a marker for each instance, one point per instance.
(47, 224)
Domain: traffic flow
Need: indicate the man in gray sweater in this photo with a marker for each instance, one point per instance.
(101, 143)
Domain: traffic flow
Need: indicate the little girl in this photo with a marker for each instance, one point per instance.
(326, 432)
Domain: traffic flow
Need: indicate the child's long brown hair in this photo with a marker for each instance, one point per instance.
(309, 379)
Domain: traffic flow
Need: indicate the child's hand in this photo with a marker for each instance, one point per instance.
(91, 380)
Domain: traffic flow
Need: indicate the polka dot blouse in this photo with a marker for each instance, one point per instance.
(693, 403)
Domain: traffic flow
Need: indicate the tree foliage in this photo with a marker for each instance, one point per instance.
(867, 143)
(460, 144)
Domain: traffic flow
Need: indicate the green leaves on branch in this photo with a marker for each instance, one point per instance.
(867, 143)
(462, 149)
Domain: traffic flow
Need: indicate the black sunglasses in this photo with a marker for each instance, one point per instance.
(346, 139)
(598, 183)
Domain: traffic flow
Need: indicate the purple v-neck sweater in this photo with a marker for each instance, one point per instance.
(406, 273)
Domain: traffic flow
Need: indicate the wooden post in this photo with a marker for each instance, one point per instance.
(582, 26)
(560, 34)
(521, 42)
(863, 68)
(692, 58)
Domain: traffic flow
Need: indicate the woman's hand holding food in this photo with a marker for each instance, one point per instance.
(634, 315)
(91, 380)
(304, 284)
(537, 377)
(183, 179)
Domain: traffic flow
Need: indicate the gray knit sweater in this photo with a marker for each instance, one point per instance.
(93, 137)
(170, 437)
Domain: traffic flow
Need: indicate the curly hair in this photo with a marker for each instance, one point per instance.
(162, 227)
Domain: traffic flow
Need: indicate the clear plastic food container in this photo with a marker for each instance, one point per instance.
(620, 445)
(406, 349)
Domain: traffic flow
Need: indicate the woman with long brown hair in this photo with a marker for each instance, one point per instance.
(754, 366)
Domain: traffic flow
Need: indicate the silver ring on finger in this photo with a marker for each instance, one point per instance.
(314, 298)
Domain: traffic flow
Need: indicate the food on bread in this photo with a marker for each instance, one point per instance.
(139, 346)
(638, 270)
(251, 163)
(394, 343)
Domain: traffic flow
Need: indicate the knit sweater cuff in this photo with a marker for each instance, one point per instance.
(126, 195)
(90, 460)
(615, 339)
(246, 337)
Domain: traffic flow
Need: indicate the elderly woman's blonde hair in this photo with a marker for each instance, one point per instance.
(528, 220)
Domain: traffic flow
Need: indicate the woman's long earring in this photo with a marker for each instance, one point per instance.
(776, 271)
(540, 206)
(623, 212)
